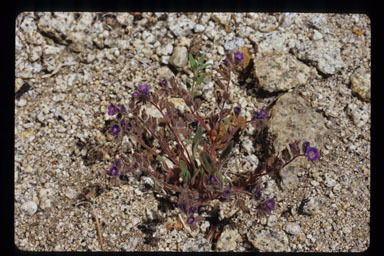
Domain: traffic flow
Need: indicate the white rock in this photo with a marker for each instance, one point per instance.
(329, 182)
(234, 44)
(182, 26)
(228, 240)
(199, 28)
(164, 49)
(292, 228)
(29, 207)
(148, 37)
(179, 57)
(317, 35)
(22, 102)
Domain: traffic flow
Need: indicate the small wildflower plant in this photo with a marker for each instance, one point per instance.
(186, 152)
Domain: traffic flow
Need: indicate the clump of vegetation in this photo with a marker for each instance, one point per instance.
(186, 152)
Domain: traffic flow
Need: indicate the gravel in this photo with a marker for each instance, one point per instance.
(314, 68)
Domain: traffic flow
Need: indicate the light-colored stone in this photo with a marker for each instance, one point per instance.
(182, 26)
(324, 54)
(268, 241)
(179, 57)
(292, 119)
(361, 84)
(29, 208)
(292, 228)
(280, 72)
(228, 240)
(197, 244)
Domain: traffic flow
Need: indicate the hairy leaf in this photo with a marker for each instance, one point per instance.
(295, 149)
(226, 151)
(207, 162)
(200, 61)
(192, 62)
(220, 176)
(286, 155)
(196, 139)
(185, 175)
(200, 79)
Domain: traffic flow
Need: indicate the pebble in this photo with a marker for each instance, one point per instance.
(292, 228)
(179, 57)
(361, 84)
(199, 28)
(29, 208)
(268, 241)
(22, 102)
(329, 182)
(228, 240)
(234, 44)
(311, 206)
(197, 244)
(181, 26)
(45, 197)
(289, 179)
(317, 35)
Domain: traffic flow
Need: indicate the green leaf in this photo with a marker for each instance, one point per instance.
(207, 162)
(221, 179)
(226, 151)
(204, 66)
(192, 62)
(201, 78)
(226, 120)
(196, 139)
(200, 61)
(188, 83)
(185, 175)
(159, 158)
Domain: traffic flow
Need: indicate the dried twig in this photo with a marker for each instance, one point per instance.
(97, 223)
(186, 227)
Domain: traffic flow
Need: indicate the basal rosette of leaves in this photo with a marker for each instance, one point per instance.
(186, 153)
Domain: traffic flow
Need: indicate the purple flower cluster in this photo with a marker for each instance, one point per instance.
(237, 111)
(227, 193)
(262, 114)
(143, 91)
(238, 57)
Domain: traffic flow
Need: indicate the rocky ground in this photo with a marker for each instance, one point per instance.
(71, 66)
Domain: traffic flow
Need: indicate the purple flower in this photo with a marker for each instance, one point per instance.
(193, 209)
(260, 114)
(238, 57)
(312, 153)
(190, 220)
(128, 126)
(227, 193)
(112, 109)
(305, 146)
(114, 171)
(135, 94)
(183, 205)
(237, 111)
(122, 109)
(117, 162)
(213, 179)
(144, 89)
(257, 194)
(270, 204)
(115, 129)
(163, 82)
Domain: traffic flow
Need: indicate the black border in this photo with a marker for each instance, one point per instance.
(8, 69)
